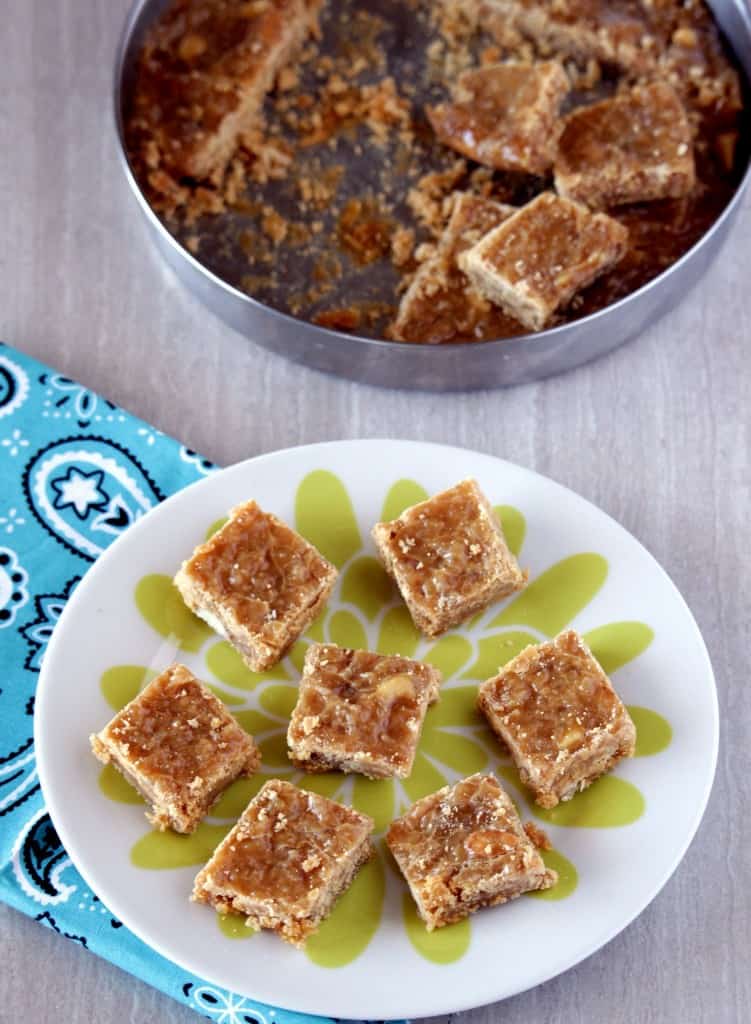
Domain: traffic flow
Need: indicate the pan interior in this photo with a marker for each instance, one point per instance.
(317, 243)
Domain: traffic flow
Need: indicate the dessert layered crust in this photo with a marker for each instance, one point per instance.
(464, 848)
(441, 304)
(201, 80)
(360, 712)
(538, 259)
(178, 746)
(504, 115)
(559, 716)
(448, 557)
(257, 583)
(286, 861)
(631, 148)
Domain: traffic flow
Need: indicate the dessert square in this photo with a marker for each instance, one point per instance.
(504, 115)
(179, 746)
(202, 77)
(286, 861)
(440, 303)
(631, 148)
(360, 712)
(538, 259)
(448, 557)
(464, 848)
(559, 716)
(257, 583)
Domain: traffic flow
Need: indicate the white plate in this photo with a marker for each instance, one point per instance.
(602, 576)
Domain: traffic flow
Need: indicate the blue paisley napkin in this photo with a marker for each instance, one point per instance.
(75, 471)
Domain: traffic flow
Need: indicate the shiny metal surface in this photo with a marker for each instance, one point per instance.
(447, 367)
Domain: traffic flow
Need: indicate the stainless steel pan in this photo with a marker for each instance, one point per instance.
(447, 367)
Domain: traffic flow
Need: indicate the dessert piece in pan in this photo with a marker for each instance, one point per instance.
(538, 259)
(441, 304)
(201, 80)
(633, 147)
(504, 115)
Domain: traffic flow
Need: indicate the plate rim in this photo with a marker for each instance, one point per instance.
(420, 1009)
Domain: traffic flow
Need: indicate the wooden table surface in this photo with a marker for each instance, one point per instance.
(656, 434)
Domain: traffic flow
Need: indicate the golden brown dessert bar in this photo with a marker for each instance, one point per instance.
(537, 260)
(504, 115)
(286, 861)
(448, 557)
(257, 583)
(179, 746)
(464, 848)
(631, 148)
(440, 303)
(557, 712)
(201, 79)
(360, 712)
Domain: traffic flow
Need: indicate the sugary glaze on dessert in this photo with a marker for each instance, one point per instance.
(360, 710)
(645, 125)
(441, 304)
(464, 847)
(445, 544)
(284, 850)
(178, 746)
(177, 731)
(553, 699)
(504, 115)
(546, 252)
(633, 147)
(259, 570)
(202, 76)
(448, 556)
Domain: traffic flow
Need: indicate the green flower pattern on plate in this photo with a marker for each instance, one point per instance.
(365, 611)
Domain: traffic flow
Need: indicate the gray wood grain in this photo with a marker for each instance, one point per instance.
(657, 435)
